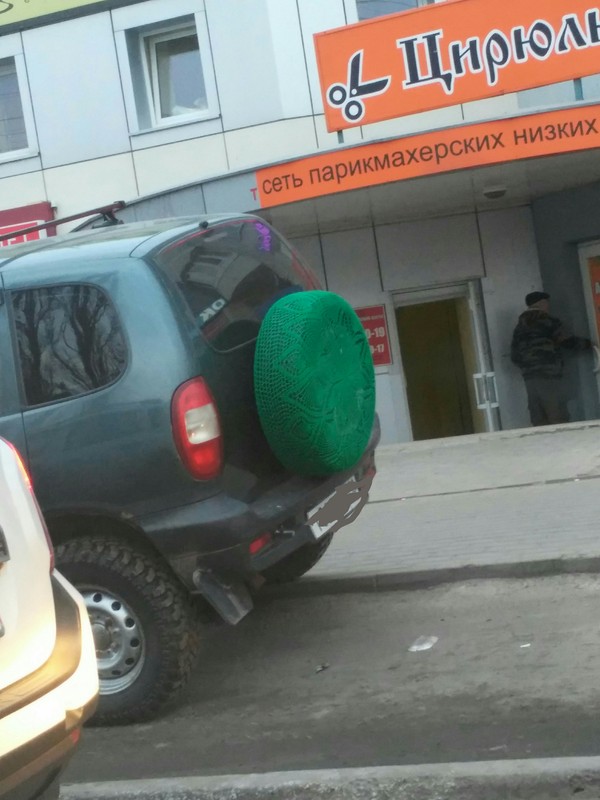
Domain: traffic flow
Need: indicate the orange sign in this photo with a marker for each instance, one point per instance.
(468, 146)
(452, 52)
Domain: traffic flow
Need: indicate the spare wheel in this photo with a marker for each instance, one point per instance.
(314, 383)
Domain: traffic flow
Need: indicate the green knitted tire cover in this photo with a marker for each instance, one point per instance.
(314, 383)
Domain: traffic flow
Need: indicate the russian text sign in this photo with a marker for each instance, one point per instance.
(452, 52)
(531, 136)
(374, 322)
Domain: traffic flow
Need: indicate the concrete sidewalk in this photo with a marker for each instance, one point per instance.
(515, 503)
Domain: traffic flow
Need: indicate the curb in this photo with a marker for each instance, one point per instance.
(534, 779)
(429, 578)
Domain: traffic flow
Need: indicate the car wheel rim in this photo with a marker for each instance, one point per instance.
(119, 640)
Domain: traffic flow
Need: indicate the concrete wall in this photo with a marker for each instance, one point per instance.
(88, 146)
(370, 266)
(512, 270)
(562, 221)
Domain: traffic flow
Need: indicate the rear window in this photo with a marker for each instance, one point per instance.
(230, 275)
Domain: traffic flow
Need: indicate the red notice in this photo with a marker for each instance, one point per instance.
(17, 219)
(375, 324)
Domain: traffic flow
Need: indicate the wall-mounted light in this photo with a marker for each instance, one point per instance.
(494, 192)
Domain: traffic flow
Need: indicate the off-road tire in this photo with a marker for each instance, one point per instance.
(166, 613)
(299, 562)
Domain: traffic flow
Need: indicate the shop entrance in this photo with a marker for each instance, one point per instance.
(450, 388)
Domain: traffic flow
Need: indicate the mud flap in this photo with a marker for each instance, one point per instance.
(228, 596)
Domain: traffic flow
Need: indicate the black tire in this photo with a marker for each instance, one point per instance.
(299, 562)
(162, 615)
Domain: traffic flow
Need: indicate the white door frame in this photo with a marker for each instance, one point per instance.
(585, 252)
(485, 378)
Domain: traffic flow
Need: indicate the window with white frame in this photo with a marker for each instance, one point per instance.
(171, 77)
(176, 81)
(367, 9)
(13, 133)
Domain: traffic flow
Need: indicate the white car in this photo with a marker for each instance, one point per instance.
(48, 672)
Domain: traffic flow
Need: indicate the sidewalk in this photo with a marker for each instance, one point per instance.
(514, 503)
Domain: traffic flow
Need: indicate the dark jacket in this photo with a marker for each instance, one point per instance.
(538, 342)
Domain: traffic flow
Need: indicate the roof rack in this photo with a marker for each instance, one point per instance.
(108, 212)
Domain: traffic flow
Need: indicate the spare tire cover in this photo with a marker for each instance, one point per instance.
(314, 383)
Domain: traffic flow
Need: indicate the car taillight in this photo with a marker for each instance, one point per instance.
(197, 430)
(28, 482)
(256, 545)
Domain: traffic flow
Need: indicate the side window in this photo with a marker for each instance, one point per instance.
(69, 340)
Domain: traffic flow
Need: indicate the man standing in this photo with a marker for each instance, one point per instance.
(537, 349)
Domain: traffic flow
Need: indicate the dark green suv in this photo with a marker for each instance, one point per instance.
(128, 381)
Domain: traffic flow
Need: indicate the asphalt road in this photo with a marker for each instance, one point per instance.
(306, 683)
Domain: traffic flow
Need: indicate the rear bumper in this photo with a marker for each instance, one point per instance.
(214, 535)
(30, 769)
(42, 715)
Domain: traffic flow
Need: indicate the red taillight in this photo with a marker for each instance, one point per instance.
(28, 482)
(260, 543)
(75, 735)
(197, 430)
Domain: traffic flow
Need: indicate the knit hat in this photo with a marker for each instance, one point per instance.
(534, 297)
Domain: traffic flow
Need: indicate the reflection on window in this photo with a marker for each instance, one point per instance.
(556, 94)
(176, 79)
(231, 275)
(566, 93)
(12, 123)
(367, 9)
(69, 341)
(170, 70)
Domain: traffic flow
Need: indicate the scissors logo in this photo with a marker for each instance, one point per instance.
(349, 97)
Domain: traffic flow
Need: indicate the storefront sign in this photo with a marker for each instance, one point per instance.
(17, 219)
(375, 324)
(452, 52)
(550, 133)
(13, 12)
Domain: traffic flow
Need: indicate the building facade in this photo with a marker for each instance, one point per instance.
(185, 107)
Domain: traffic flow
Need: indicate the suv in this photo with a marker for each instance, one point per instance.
(128, 380)
(48, 676)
